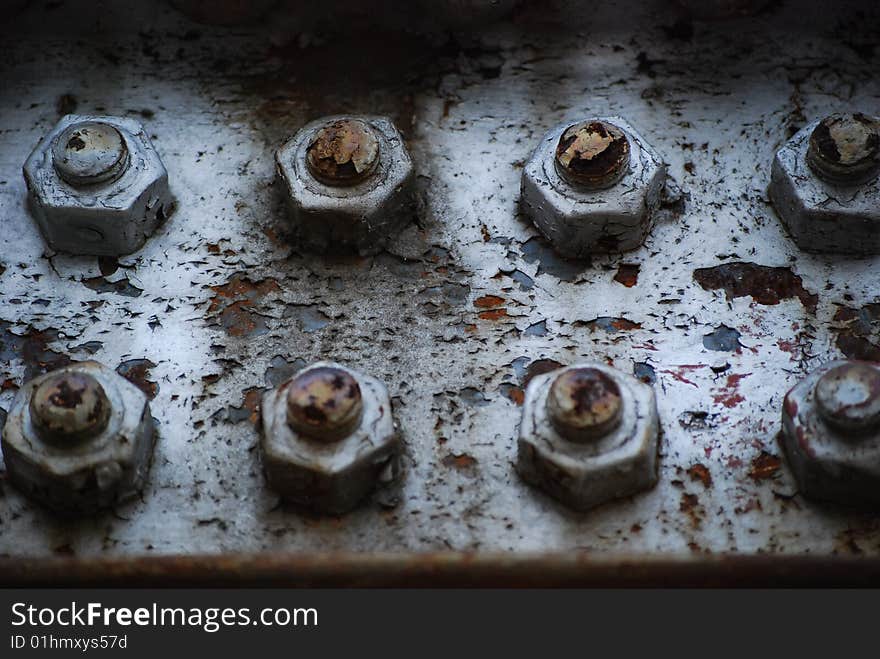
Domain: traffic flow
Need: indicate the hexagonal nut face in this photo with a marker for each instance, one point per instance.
(360, 217)
(580, 222)
(828, 464)
(90, 475)
(583, 475)
(823, 217)
(111, 218)
(329, 477)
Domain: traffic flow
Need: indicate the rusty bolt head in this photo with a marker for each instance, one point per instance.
(324, 403)
(69, 407)
(845, 148)
(343, 152)
(584, 403)
(848, 396)
(593, 154)
(90, 152)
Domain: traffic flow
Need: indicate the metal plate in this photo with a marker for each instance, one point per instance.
(468, 302)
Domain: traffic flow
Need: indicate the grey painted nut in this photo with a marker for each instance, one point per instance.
(831, 433)
(328, 437)
(825, 187)
(349, 183)
(593, 187)
(97, 186)
(588, 435)
(79, 439)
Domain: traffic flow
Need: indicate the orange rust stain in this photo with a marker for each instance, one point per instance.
(235, 302)
(690, 505)
(494, 314)
(488, 301)
(461, 461)
(627, 274)
(624, 324)
(700, 472)
(764, 466)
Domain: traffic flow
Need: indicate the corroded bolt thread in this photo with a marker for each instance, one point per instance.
(845, 148)
(324, 403)
(343, 152)
(90, 152)
(848, 396)
(584, 403)
(69, 406)
(593, 154)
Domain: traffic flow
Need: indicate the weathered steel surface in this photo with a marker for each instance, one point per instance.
(719, 310)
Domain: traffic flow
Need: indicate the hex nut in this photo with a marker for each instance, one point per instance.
(97, 186)
(579, 221)
(328, 474)
(361, 216)
(822, 215)
(584, 472)
(80, 472)
(833, 448)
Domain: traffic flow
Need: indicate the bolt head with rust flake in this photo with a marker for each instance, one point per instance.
(69, 406)
(97, 186)
(343, 152)
(349, 184)
(584, 403)
(79, 439)
(845, 148)
(593, 154)
(589, 434)
(831, 433)
(328, 437)
(825, 187)
(324, 403)
(593, 187)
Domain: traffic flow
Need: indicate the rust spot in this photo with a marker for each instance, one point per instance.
(700, 472)
(539, 367)
(729, 396)
(680, 372)
(250, 407)
(488, 302)
(858, 324)
(494, 314)
(764, 466)
(628, 274)
(137, 372)
(609, 324)
(32, 348)
(235, 302)
(460, 461)
(690, 505)
(765, 284)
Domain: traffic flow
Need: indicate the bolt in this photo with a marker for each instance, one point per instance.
(848, 396)
(90, 152)
(343, 152)
(324, 403)
(593, 154)
(845, 148)
(69, 406)
(584, 403)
